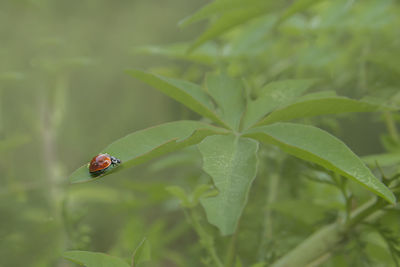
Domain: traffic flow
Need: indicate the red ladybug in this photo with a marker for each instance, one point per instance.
(101, 163)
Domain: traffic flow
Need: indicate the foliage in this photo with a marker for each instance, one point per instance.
(252, 167)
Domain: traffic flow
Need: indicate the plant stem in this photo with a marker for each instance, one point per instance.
(320, 260)
(362, 80)
(342, 185)
(1, 112)
(364, 211)
(268, 222)
(330, 236)
(313, 247)
(230, 255)
(391, 126)
(205, 239)
(51, 118)
(272, 196)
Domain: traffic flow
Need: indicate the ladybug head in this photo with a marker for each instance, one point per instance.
(115, 161)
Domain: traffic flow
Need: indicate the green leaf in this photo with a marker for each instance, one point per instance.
(317, 95)
(212, 9)
(142, 253)
(228, 95)
(182, 158)
(180, 193)
(94, 259)
(144, 145)
(203, 190)
(315, 145)
(309, 107)
(207, 54)
(390, 101)
(296, 7)
(231, 19)
(231, 161)
(286, 91)
(189, 94)
(272, 96)
(192, 200)
(383, 160)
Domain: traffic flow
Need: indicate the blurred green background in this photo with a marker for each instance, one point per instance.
(64, 96)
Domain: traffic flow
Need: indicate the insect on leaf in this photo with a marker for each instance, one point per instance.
(144, 145)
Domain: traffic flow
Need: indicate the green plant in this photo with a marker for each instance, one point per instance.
(230, 151)
(242, 123)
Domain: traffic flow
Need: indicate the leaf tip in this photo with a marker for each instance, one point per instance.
(391, 198)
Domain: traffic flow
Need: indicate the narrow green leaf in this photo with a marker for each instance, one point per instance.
(212, 9)
(231, 161)
(315, 145)
(231, 19)
(189, 94)
(228, 95)
(144, 145)
(94, 259)
(207, 54)
(179, 193)
(272, 96)
(203, 190)
(192, 200)
(296, 7)
(142, 253)
(310, 107)
(317, 95)
(389, 100)
(286, 91)
(382, 160)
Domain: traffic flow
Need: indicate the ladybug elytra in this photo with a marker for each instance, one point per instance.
(101, 163)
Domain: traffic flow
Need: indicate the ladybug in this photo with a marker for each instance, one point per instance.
(101, 163)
